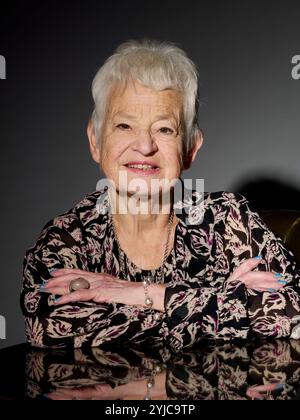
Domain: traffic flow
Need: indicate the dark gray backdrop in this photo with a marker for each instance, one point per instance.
(249, 106)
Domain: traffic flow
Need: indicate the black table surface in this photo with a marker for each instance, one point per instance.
(266, 370)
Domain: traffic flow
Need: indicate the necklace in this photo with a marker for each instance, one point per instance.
(159, 275)
(151, 380)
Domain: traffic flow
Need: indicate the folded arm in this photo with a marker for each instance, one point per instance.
(245, 306)
(80, 323)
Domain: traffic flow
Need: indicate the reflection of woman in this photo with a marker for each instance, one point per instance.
(224, 372)
(124, 276)
(96, 374)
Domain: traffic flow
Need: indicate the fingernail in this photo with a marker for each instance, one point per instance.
(278, 276)
(42, 288)
(271, 290)
(259, 257)
(53, 271)
(56, 299)
(284, 282)
(280, 387)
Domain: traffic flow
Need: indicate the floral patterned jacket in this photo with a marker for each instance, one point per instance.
(199, 301)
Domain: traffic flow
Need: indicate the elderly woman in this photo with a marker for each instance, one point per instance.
(108, 274)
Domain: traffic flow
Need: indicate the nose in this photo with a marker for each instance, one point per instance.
(145, 143)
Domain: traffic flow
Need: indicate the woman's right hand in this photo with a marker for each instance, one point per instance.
(260, 281)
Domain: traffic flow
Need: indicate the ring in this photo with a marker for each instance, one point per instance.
(79, 284)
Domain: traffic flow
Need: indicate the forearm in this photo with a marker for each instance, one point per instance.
(66, 325)
(193, 314)
(276, 315)
(88, 324)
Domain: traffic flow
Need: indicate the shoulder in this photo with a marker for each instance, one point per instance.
(211, 207)
(75, 220)
(228, 206)
(225, 199)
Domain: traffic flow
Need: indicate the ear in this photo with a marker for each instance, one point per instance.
(93, 142)
(193, 153)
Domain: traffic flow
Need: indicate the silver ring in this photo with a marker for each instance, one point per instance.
(79, 284)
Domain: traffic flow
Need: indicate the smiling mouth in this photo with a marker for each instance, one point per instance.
(142, 168)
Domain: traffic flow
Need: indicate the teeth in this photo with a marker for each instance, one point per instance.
(141, 166)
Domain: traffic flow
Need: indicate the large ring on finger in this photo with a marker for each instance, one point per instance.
(79, 284)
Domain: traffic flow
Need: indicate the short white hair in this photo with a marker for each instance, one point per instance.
(154, 64)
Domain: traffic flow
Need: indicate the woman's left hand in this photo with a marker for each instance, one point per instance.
(134, 390)
(103, 288)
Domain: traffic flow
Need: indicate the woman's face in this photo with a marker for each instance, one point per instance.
(142, 127)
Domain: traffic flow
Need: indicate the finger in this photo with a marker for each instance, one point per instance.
(264, 276)
(78, 393)
(248, 265)
(103, 388)
(78, 296)
(84, 393)
(254, 395)
(59, 291)
(63, 280)
(102, 391)
(263, 280)
(264, 289)
(260, 392)
(270, 387)
(272, 276)
(84, 274)
(271, 285)
(268, 284)
(55, 395)
(264, 286)
(63, 271)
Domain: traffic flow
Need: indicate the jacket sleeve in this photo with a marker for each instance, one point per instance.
(194, 314)
(234, 312)
(274, 315)
(75, 325)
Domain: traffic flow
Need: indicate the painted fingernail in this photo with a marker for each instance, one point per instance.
(271, 290)
(280, 387)
(42, 288)
(53, 271)
(278, 276)
(259, 257)
(56, 299)
(284, 282)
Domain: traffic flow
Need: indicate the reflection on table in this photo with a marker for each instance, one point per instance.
(269, 371)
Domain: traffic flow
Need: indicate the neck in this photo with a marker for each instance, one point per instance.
(140, 217)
